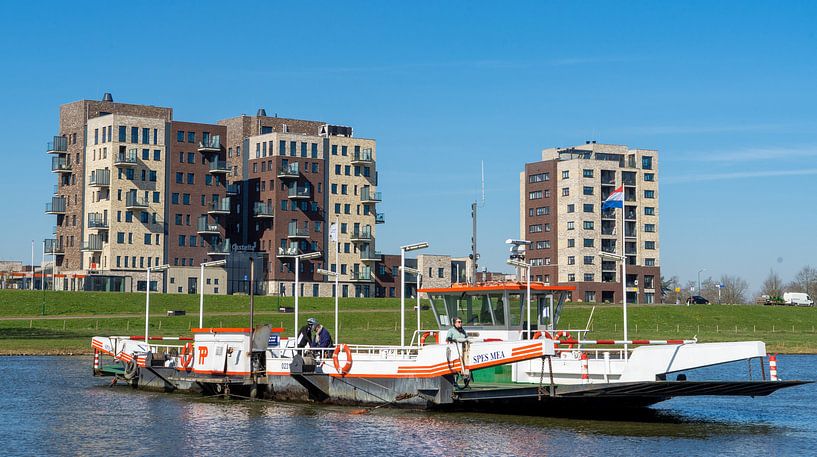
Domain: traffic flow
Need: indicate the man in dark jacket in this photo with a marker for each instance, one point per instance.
(322, 337)
(305, 334)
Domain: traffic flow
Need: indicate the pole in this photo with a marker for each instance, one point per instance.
(624, 275)
(337, 276)
(528, 298)
(32, 264)
(419, 280)
(252, 292)
(402, 297)
(42, 277)
(201, 298)
(474, 254)
(147, 304)
(297, 268)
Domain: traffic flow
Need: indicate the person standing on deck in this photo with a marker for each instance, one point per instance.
(323, 339)
(305, 333)
(456, 334)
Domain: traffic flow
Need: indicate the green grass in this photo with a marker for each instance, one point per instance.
(73, 317)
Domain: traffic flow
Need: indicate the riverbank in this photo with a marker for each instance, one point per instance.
(70, 319)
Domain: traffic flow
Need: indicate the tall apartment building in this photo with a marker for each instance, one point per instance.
(560, 214)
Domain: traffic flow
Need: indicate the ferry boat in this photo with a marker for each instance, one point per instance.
(507, 364)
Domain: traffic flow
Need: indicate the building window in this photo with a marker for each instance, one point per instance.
(123, 133)
(649, 211)
(588, 225)
(181, 240)
(145, 136)
(571, 260)
(539, 177)
(589, 242)
(535, 195)
(588, 207)
(191, 137)
(134, 138)
(588, 260)
(179, 178)
(649, 245)
(566, 174)
(646, 163)
(571, 242)
(180, 136)
(589, 295)
(587, 190)
(571, 208)
(587, 173)
(565, 191)
(191, 157)
(543, 211)
(649, 177)
(536, 228)
(649, 194)
(570, 225)
(588, 277)
(649, 228)
(571, 277)
(649, 262)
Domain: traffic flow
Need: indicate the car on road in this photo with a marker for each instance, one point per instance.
(697, 300)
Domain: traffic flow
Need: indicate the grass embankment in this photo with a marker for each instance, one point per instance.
(71, 318)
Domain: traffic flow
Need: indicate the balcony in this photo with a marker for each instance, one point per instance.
(211, 144)
(262, 211)
(219, 167)
(58, 146)
(290, 171)
(94, 244)
(220, 248)
(220, 207)
(57, 206)
(100, 178)
(297, 233)
(366, 196)
(56, 189)
(630, 215)
(205, 227)
(288, 253)
(608, 214)
(363, 157)
(60, 165)
(361, 276)
(134, 203)
(54, 246)
(380, 218)
(126, 159)
(299, 193)
(370, 255)
(233, 189)
(362, 236)
(96, 221)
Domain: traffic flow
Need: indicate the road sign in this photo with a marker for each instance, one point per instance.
(677, 289)
(274, 341)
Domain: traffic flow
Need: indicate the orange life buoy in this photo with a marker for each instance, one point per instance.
(348, 366)
(186, 356)
(566, 335)
(423, 338)
(538, 335)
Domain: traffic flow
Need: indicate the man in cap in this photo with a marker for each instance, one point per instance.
(305, 333)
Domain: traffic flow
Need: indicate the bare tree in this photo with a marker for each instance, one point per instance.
(772, 285)
(805, 281)
(733, 290)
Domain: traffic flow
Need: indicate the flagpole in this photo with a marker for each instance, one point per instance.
(337, 275)
(624, 269)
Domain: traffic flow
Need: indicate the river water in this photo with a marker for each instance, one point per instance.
(53, 405)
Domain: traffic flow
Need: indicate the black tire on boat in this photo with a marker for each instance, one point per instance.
(131, 369)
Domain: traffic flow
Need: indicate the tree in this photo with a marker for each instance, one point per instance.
(733, 290)
(805, 281)
(668, 289)
(772, 285)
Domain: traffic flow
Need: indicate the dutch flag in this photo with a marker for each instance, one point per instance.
(615, 200)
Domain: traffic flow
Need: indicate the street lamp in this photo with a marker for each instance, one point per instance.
(414, 271)
(298, 258)
(403, 250)
(521, 264)
(147, 295)
(336, 276)
(215, 263)
(699, 280)
(623, 259)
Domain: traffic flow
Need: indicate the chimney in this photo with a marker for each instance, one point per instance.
(107, 97)
(261, 112)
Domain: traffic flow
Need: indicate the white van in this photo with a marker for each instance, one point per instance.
(797, 299)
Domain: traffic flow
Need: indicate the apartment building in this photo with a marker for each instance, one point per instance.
(560, 214)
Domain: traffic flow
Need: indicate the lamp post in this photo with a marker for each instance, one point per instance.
(403, 250)
(623, 259)
(526, 266)
(699, 280)
(147, 295)
(215, 263)
(336, 276)
(298, 258)
(419, 275)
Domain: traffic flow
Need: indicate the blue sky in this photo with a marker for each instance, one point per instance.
(727, 93)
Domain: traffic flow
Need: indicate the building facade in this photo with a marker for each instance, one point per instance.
(560, 214)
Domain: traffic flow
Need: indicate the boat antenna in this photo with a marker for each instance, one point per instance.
(474, 256)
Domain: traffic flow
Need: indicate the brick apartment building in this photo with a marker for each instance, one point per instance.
(560, 214)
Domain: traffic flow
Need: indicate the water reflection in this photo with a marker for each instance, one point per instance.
(53, 406)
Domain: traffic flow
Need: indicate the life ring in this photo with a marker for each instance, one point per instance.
(538, 335)
(186, 356)
(566, 335)
(423, 338)
(348, 366)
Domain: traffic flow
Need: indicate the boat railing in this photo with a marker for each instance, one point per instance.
(383, 352)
